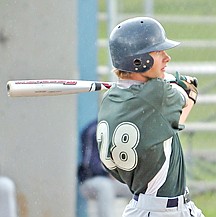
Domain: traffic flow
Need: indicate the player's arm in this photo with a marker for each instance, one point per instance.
(189, 103)
(186, 110)
(187, 86)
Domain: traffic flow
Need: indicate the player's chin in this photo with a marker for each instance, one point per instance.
(159, 74)
(162, 74)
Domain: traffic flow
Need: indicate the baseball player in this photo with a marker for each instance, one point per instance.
(139, 121)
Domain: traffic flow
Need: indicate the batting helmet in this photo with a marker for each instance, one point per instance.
(132, 40)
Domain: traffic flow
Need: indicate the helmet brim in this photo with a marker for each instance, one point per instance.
(166, 45)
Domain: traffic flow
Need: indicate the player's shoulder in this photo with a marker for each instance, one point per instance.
(156, 90)
(157, 85)
(160, 84)
(158, 81)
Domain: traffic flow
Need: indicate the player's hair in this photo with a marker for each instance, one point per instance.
(122, 74)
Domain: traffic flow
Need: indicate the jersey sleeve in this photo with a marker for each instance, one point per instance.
(167, 101)
(173, 103)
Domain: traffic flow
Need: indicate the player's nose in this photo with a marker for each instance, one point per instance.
(167, 58)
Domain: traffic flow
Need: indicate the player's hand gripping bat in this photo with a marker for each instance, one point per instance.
(53, 87)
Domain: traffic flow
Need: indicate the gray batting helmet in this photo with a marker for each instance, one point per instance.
(132, 40)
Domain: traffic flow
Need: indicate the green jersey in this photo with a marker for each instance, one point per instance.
(138, 139)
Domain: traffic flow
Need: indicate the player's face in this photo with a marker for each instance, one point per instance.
(161, 58)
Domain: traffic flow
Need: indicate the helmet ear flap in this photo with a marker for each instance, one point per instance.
(137, 63)
(144, 63)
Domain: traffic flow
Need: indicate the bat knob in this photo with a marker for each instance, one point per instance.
(8, 89)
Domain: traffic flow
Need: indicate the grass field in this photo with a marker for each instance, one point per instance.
(179, 31)
(167, 7)
(207, 203)
(187, 30)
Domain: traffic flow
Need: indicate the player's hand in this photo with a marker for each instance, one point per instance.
(172, 78)
(189, 84)
(189, 79)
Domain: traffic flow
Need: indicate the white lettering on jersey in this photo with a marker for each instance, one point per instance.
(125, 139)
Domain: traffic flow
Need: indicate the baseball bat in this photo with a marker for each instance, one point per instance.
(53, 87)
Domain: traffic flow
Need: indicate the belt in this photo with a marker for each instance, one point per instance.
(171, 202)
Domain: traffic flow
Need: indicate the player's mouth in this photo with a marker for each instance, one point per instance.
(163, 69)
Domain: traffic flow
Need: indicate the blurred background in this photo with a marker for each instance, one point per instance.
(40, 137)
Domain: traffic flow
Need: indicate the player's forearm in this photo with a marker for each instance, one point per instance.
(185, 91)
(186, 110)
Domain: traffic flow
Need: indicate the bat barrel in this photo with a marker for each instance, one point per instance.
(53, 87)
